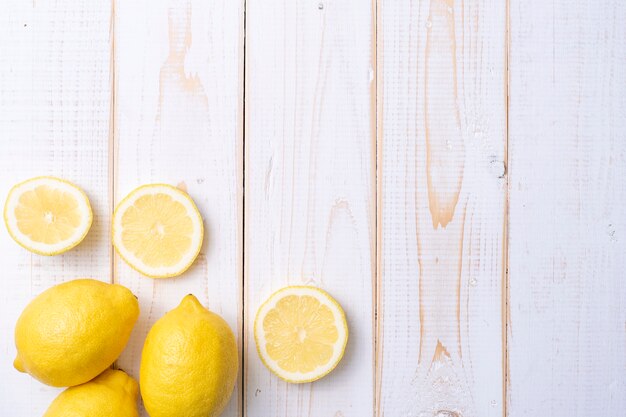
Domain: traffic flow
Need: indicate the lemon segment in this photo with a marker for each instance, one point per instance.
(47, 215)
(300, 333)
(158, 230)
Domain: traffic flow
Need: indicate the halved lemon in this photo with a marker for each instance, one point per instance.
(157, 230)
(300, 333)
(47, 215)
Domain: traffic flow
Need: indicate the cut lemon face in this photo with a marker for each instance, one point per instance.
(47, 215)
(300, 333)
(157, 230)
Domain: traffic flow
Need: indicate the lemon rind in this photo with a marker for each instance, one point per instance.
(137, 268)
(75, 242)
(344, 323)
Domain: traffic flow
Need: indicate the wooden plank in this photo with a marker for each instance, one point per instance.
(54, 120)
(442, 179)
(178, 118)
(310, 187)
(567, 302)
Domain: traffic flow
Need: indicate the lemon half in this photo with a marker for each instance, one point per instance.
(300, 333)
(47, 215)
(158, 230)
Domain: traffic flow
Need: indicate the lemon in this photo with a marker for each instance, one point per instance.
(47, 215)
(73, 331)
(112, 393)
(300, 333)
(189, 363)
(158, 230)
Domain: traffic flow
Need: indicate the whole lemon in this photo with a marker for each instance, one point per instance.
(189, 363)
(73, 331)
(112, 393)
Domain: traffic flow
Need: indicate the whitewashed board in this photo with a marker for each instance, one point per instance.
(401, 155)
(178, 112)
(441, 222)
(310, 188)
(55, 91)
(567, 250)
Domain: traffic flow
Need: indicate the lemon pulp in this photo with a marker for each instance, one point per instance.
(47, 215)
(157, 230)
(301, 333)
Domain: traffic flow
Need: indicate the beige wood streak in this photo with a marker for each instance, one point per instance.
(567, 330)
(54, 120)
(442, 142)
(310, 187)
(178, 120)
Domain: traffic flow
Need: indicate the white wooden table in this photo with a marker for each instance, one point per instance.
(453, 172)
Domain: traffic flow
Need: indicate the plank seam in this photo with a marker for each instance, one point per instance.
(377, 218)
(243, 222)
(505, 238)
(112, 148)
(112, 137)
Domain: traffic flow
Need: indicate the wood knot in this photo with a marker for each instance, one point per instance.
(447, 413)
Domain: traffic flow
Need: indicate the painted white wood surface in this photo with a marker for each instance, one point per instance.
(54, 120)
(442, 134)
(310, 187)
(178, 120)
(427, 249)
(567, 329)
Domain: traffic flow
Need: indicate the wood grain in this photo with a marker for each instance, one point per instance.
(178, 120)
(310, 187)
(54, 120)
(375, 168)
(442, 188)
(567, 330)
